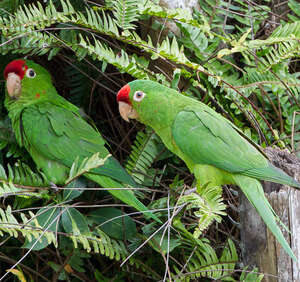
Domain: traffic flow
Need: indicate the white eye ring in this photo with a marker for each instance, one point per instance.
(138, 96)
(30, 73)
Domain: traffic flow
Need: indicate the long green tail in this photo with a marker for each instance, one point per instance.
(255, 194)
(273, 174)
(124, 195)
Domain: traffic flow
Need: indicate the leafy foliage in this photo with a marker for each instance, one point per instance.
(205, 263)
(147, 146)
(86, 165)
(10, 224)
(229, 54)
(21, 180)
(210, 207)
(125, 12)
(35, 233)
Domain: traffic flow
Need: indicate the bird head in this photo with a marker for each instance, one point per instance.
(24, 74)
(145, 101)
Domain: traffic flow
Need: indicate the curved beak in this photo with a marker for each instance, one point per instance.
(13, 85)
(127, 112)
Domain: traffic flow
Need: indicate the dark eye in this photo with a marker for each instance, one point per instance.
(138, 96)
(30, 73)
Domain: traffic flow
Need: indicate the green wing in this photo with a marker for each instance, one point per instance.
(61, 135)
(51, 132)
(208, 138)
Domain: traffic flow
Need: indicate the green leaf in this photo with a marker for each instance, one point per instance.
(125, 12)
(74, 222)
(295, 6)
(161, 243)
(209, 204)
(77, 260)
(77, 169)
(56, 267)
(253, 276)
(80, 182)
(118, 225)
(244, 37)
(48, 218)
(145, 149)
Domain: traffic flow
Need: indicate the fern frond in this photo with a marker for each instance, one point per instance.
(146, 7)
(29, 228)
(279, 54)
(35, 16)
(32, 230)
(103, 24)
(144, 151)
(79, 168)
(100, 243)
(27, 36)
(252, 79)
(9, 189)
(36, 43)
(166, 49)
(32, 21)
(285, 40)
(209, 207)
(204, 262)
(287, 30)
(178, 15)
(99, 51)
(125, 12)
(21, 180)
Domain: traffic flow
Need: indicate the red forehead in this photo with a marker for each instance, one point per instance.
(123, 94)
(17, 66)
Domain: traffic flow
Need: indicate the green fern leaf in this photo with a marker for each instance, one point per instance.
(204, 262)
(125, 12)
(78, 169)
(144, 150)
(209, 204)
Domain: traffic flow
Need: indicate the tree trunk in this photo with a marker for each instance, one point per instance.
(259, 247)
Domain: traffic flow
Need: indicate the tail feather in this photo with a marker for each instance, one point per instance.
(124, 195)
(113, 169)
(272, 174)
(255, 194)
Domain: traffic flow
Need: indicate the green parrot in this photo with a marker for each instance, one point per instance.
(213, 148)
(54, 133)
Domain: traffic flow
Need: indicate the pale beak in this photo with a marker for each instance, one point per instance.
(127, 112)
(13, 85)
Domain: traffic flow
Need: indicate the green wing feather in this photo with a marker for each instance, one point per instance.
(60, 135)
(208, 138)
